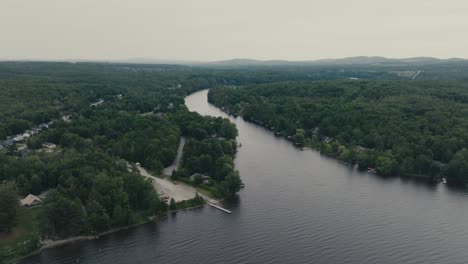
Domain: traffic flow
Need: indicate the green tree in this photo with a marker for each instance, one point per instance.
(62, 217)
(8, 207)
(231, 184)
(172, 204)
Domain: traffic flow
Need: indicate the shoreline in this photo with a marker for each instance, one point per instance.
(71, 240)
(306, 147)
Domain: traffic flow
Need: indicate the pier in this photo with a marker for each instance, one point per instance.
(219, 207)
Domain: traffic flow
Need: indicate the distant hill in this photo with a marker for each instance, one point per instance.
(360, 60)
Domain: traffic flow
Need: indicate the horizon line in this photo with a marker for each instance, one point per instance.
(174, 61)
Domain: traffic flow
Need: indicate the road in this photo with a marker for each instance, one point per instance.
(175, 165)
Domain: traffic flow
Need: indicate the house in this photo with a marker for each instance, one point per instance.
(8, 143)
(100, 101)
(18, 138)
(360, 149)
(201, 178)
(41, 126)
(49, 145)
(66, 118)
(30, 201)
(24, 152)
(26, 135)
(23, 147)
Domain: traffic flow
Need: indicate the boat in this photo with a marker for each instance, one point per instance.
(242, 185)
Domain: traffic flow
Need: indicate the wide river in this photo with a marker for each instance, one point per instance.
(297, 207)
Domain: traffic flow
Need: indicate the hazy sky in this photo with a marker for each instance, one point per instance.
(221, 29)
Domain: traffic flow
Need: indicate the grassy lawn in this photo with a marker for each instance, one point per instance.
(209, 191)
(21, 240)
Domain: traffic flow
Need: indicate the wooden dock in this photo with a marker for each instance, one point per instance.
(219, 207)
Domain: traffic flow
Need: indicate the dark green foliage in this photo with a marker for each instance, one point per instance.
(196, 201)
(62, 216)
(8, 207)
(213, 157)
(172, 204)
(398, 127)
(457, 170)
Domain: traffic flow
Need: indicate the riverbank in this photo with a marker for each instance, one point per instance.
(178, 190)
(325, 143)
(48, 244)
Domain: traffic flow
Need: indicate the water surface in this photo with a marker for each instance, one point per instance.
(297, 207)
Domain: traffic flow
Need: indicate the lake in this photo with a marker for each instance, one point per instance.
(297, 207)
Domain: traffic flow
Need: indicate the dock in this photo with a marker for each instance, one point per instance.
(219, 207)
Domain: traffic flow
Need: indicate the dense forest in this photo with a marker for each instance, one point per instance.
(413, 128)
(70, 133)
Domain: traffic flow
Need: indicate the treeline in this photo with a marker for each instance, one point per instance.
(416, 128)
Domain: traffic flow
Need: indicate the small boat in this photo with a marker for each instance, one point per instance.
(242, 185)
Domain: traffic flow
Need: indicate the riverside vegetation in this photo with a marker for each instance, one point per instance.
(412, 128)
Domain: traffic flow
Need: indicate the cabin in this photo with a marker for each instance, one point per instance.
(360, 149)
(49, 145)
(204, 179)
(31, 201)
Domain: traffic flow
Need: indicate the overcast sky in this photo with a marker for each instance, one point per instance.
(221, 29)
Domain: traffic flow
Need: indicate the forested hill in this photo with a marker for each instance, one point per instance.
(416, 128)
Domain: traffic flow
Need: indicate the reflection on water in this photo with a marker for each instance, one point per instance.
(297, 207)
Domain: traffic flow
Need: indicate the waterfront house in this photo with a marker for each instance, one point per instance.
(201, 178)
(30, 201)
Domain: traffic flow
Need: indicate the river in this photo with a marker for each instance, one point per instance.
(297, 207)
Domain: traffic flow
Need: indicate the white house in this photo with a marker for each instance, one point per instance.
(30, 201)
